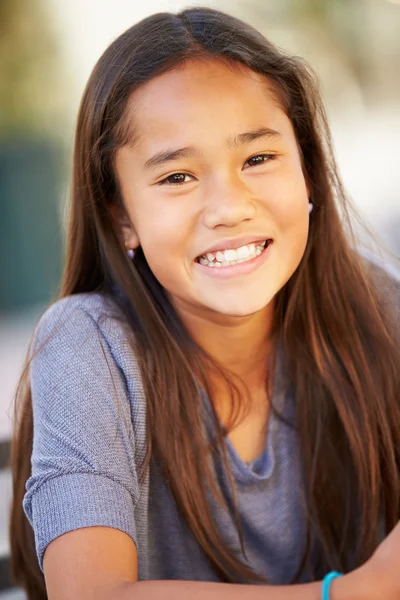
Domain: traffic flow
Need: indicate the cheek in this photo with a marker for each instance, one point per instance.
(287, 201)
(289, 207)
(291, 215)
(163, 229)
(293, 223)
(158, 222)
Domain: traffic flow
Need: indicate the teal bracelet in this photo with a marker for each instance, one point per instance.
(326, 584)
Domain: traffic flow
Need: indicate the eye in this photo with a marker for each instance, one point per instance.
(175, 179)
(259, 159)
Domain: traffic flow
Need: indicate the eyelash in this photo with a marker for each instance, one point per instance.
(264, 156)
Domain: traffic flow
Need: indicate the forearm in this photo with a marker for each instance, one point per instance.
(201, 590)
(353, 586)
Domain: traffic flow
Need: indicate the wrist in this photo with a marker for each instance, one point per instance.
(356, 585)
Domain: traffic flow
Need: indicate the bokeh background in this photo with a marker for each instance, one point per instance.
(47, 50)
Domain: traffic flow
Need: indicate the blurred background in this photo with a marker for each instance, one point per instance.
(47, 50)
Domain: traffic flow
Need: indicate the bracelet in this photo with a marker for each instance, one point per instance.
(326, 584)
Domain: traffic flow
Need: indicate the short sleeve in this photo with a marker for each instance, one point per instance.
(83, 457)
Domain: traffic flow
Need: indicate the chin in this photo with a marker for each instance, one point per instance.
(242, 308)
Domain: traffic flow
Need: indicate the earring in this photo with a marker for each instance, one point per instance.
(310, 207)
(130, 252)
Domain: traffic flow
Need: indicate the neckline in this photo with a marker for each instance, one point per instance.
(262, 467)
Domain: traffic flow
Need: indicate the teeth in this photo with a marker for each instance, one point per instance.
(231, 257)
(243, 252)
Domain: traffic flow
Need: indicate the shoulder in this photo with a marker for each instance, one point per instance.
(77, 312)
(84, 369)
(70, 321)
(86, 336)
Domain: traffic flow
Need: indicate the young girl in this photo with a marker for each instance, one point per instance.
(214, 399)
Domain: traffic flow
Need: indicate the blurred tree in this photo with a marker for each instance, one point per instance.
(368, 33)
(31, 155)
(31, 94)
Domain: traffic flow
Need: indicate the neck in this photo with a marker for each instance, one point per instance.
(239, 344)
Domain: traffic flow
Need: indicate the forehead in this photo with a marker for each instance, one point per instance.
(204, 97)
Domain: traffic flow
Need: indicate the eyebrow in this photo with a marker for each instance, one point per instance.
(190, 151)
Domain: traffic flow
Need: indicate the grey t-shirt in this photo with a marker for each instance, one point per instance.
(90, 437)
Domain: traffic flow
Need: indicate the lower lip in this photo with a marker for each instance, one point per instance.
(239, 269)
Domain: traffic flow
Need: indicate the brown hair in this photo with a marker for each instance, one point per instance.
(337, 332)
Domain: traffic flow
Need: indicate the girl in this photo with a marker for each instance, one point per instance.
(215, 396)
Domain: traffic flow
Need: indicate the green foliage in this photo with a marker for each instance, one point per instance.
(29, 59)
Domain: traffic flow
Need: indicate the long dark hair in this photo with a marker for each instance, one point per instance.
(337, 331)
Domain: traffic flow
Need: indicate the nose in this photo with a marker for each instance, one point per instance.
(228, 203)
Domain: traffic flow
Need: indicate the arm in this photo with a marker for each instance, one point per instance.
(100, 563)
(351, 588)
(198, 590)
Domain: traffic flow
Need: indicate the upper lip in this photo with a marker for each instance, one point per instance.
(233, 243)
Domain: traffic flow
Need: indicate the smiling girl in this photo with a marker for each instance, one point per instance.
(214, 399)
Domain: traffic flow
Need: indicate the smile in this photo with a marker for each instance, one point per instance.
(226, 258)
(215, 265)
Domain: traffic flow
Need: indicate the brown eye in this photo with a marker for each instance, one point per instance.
(259, 159)
(175, 179)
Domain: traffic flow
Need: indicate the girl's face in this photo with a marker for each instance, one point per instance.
(213, 173)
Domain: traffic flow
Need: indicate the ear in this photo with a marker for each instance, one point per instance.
(124, 226)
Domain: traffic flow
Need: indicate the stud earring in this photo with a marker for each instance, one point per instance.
(130, 252)
(310, 207)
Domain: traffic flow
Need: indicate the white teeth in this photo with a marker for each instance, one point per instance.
(243, 252)
(230, 255)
